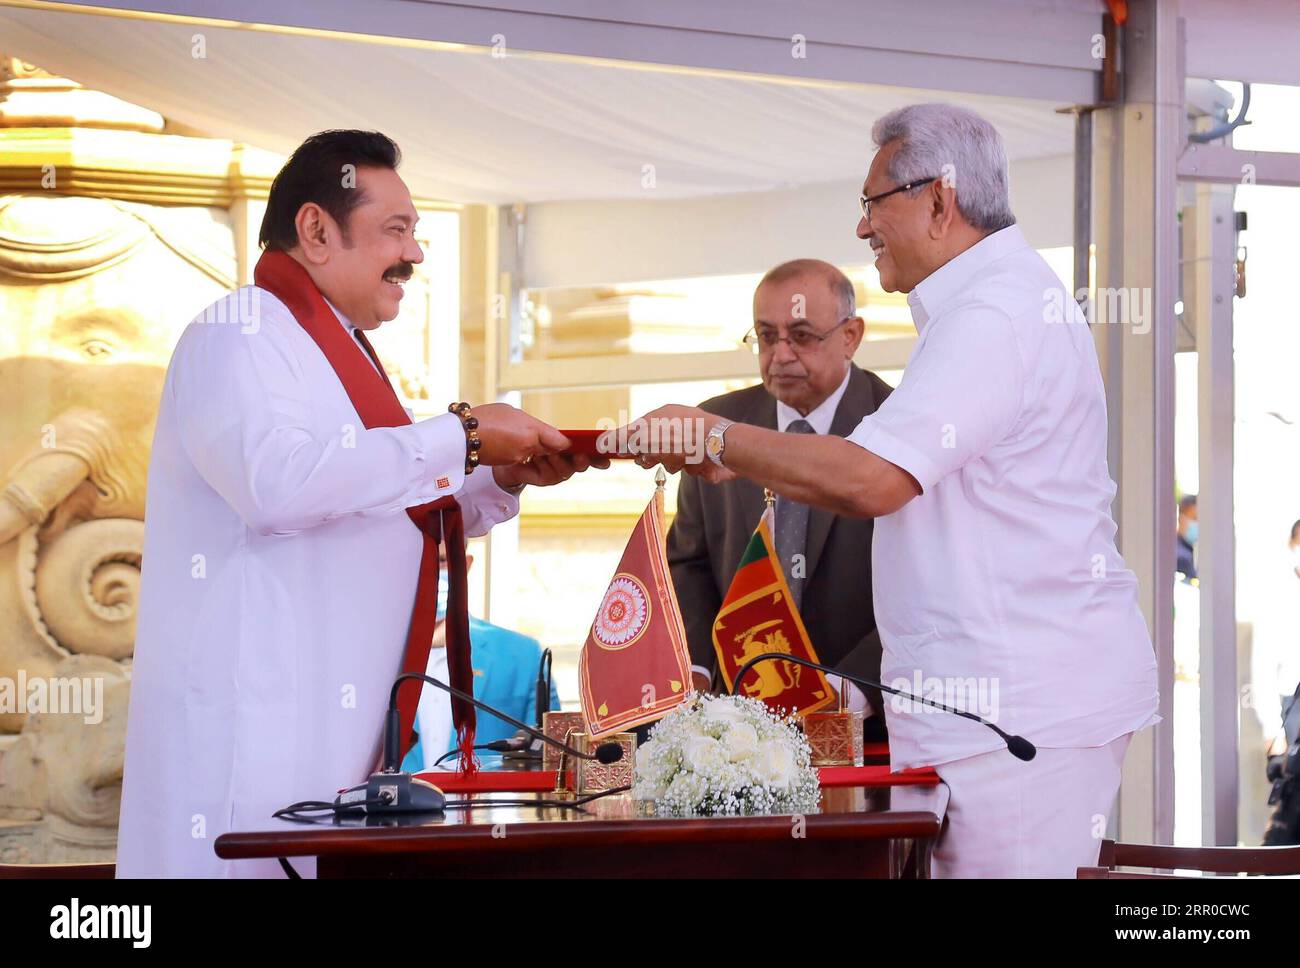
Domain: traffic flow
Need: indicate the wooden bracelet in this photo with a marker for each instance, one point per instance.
(472, 441)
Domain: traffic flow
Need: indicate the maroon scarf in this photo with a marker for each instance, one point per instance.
(377, 405)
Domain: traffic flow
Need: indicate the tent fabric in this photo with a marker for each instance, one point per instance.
(479, 128)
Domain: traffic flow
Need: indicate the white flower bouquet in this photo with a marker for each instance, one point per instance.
(726, 755)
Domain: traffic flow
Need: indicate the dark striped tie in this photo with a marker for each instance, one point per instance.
(792, 531)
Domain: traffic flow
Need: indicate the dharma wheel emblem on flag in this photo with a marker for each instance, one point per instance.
(634, 664)
(624, 614)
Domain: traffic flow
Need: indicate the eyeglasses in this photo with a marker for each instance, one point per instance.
(865, 200)
(801, 338)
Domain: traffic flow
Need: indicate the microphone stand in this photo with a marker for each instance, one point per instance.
(1018, 746)
(392, 791)
(606, 752)
(522, 749)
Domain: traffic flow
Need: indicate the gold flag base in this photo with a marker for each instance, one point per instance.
(591, 776)
(559, 726)
(835, 738)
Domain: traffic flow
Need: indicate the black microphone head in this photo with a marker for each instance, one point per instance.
(608, 753)
(1021, 748)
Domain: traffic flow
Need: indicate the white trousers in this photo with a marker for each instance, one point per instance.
(1044, 818)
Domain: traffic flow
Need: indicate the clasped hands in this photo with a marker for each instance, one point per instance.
(521, 449)
(673, 436)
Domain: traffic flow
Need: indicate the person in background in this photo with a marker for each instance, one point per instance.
(806, 330)
(1288, 673)
(505, 677)
(1187, 528)
(1283, 755)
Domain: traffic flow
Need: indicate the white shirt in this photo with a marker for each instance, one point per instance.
(820, 417)
(433, 714)
(278, 577)
(1005, 569)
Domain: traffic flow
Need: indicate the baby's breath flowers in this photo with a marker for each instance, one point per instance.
(726, 755)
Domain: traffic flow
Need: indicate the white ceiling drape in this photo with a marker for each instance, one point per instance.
(479, 128)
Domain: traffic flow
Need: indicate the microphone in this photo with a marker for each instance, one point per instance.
(605, 753)
(392, 791)
(522, 748)
(543, 702)
(1018, 746)
(521, 743)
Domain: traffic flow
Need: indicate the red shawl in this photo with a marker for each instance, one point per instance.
(377, 405)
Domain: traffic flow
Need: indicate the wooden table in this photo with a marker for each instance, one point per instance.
(856, 834)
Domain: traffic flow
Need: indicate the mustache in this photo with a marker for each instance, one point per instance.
(401, 270)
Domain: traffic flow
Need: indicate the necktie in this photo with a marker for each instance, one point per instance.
(365, 345)
(792, 531)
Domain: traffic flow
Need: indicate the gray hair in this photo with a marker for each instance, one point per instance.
(948, 142)
(839, 284)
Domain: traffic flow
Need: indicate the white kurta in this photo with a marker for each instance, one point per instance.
(278, 578)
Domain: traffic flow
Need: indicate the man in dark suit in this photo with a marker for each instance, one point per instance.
(806, 330)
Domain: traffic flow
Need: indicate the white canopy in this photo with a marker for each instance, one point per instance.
(681, 149)
(479, 128)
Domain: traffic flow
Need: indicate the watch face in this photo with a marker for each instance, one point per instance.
(713, 444)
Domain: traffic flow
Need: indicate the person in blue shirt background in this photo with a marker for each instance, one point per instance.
(505, 676)
(1187, 535)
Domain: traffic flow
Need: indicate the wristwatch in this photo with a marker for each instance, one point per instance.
(714, 444)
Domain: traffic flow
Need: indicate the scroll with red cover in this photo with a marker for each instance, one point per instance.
(595, 443)
(635, 665)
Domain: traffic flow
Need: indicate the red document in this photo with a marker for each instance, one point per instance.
(589, 442)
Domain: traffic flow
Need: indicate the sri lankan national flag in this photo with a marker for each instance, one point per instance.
(757, 616)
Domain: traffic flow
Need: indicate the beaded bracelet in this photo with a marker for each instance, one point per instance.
(472, 442)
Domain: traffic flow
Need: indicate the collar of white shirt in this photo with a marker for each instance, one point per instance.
(930, 295)
(347, 323)
(351, 329)
(822, 416)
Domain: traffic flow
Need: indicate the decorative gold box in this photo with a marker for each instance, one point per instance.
(835, 738)
(595, 777)
(558, 725)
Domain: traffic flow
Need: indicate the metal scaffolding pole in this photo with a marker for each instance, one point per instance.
(1138, 142)
(1210, 247)
(1210, 273)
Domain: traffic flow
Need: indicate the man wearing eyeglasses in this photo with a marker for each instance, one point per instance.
(996, 573)
(806, 330)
